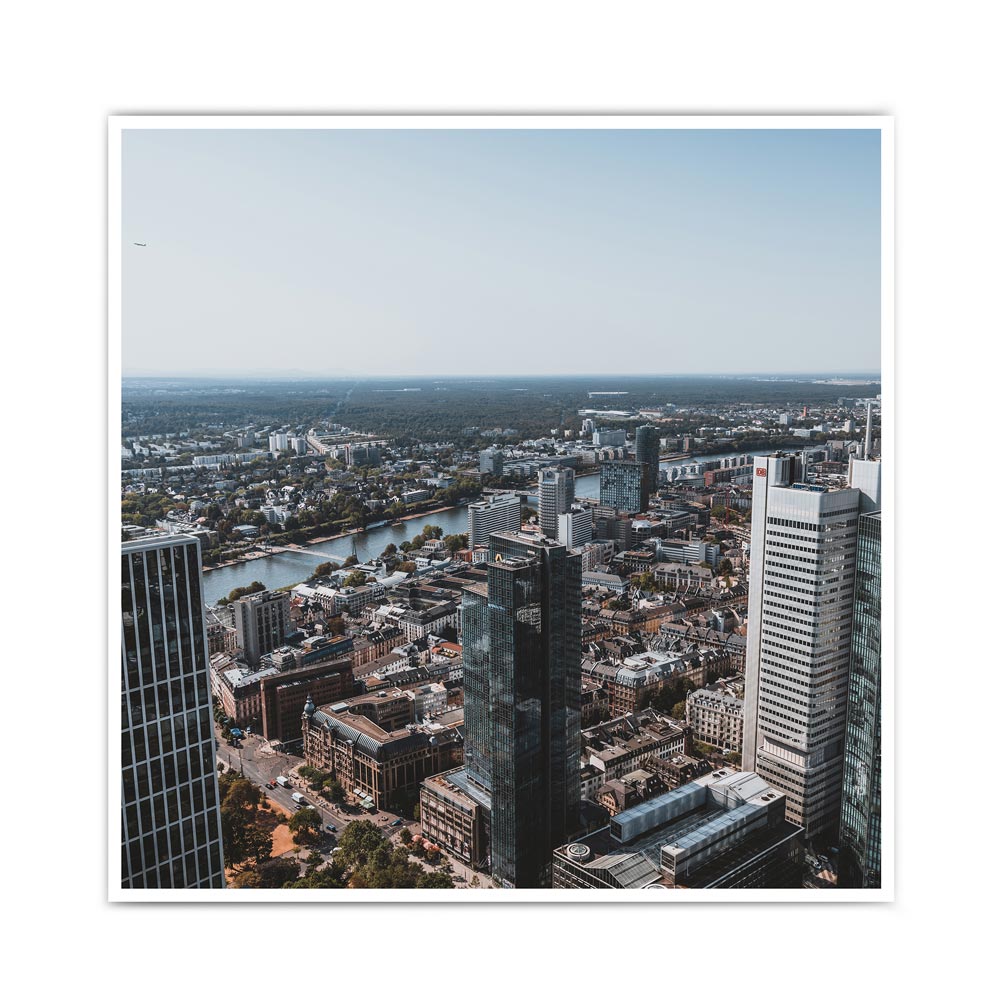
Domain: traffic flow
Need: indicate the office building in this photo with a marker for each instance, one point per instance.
(455, 815)
(373, 747)
(725, 830)
(521, 650)
(555, 497)
(262, 622)
(861, 806)
(799, 623)
(605, 438)
(575, 528)
(171, 826)
(647, 452)
(501, 512)
(715, 716)
(357, 455)
(491, 461)
(623, 486)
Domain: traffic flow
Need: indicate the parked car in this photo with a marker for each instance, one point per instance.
(331, 828)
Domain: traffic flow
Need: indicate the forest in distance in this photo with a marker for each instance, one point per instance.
(432, 409)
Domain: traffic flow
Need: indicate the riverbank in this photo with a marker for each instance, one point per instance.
(295, 547)
(253, 554)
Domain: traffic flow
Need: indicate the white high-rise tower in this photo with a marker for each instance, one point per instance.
(802, 557)
(556, 492)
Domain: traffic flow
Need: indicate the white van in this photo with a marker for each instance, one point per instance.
(299, 798)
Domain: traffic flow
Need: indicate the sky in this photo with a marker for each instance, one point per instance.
(492, 251)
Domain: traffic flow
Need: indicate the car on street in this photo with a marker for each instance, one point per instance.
(331, 828)
(396, 822)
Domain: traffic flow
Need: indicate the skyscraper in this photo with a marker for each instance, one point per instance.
(556, 492)
(262, 621)
(802, 560)
(576, 527)
(861, 806)
(171, 829)
(623, 486)
(491, 461)
(647, 451)
(502, 512)
(521, 632)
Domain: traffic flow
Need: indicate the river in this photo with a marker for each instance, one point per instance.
(286, 568)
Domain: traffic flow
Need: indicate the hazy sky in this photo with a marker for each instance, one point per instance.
(496, 251)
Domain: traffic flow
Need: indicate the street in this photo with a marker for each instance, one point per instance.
(261, 764)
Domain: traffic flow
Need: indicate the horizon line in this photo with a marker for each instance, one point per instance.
(300, 375)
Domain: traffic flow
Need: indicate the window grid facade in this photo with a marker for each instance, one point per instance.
(624, 486)
(523, 650)
(803, 552)
(861, 808)
(171, 830)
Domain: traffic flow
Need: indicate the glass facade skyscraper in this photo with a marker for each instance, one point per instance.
(171, 829)
(522, 702)
(624, 486)
(647, 451)
(861, 802)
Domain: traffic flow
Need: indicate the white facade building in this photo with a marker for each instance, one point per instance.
(716, 718)
(576, 527)
(556, 492)
(500, 513)
(802, 556)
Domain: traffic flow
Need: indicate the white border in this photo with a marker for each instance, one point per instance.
(117, 124)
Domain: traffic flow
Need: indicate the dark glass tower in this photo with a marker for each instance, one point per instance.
(647, 451)
(521, 634)
(171, 830)
(861, 802)
(624, 486)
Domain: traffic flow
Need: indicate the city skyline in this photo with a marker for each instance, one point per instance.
(390, 251)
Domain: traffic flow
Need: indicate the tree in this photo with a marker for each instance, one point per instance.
(359, 841)
(305, 824)
(453, 543)
(333, 790)
(356, 579)
(679, 710)
(250, 879)
(314, 776)
(234, 595)
(351, 560)
(407, 567)
(406, 837)
(323, 569)
(726, 567)
(435, 880)
(331, 876)
(243, 841)
(271, 874)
